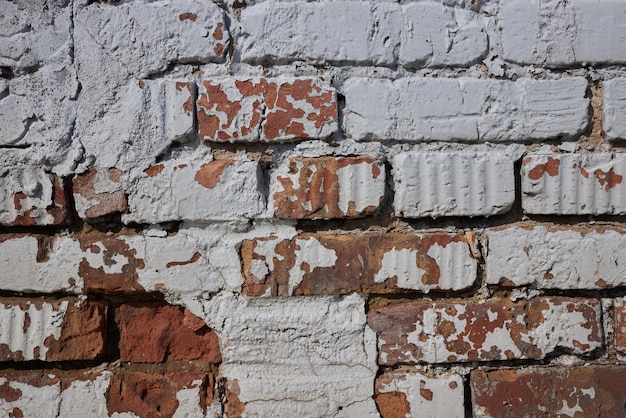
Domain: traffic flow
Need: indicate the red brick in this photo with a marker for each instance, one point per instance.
(321, 264)
(66, 329)
(328, 187)
(496, 329)
(589, 391)
(157, 332)
(265, 109)
(98, 193)
(620, 325)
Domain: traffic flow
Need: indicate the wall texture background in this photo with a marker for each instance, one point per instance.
(302, 209)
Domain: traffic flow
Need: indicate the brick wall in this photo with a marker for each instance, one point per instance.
(324, 208)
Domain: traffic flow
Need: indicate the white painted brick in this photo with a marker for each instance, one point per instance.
(453, 184)
(34, 401)
(422, 109)
(574, 184)
(319, 32)
(195, 191)
(295, 357)
(161, 110)
(577, 258)
(436, 35)
(614, 108)
(556, 34)
(426, 396)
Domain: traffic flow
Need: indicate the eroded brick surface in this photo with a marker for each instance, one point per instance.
(498, 329)
(619, 324)
(98, 192)
(576, 257)
(574, 184)
(573, 391)
(157, 332)
(263, 109)
(318, 264)
(328, 187)
(412, 394)
(32, 197)
(50, 331)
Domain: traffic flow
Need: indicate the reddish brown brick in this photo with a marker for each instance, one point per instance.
(589, 391)
(98, 193)
(66, 329)
(320, 264)
(328, 187)
(620, 325)
(496, 329)
(157, 332)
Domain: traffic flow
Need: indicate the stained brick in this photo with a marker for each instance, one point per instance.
(413, 394)
(497, 329)
(453, 184)
(574, 184)
(328, 187)
(261, 109)
(619, 324)
(585, 391)
(318, 264)
(577, 257)
(98, 192)
(52, 331)
(156, 332)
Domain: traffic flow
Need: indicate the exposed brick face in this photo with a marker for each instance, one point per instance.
(550, 391)
(154, 333)
(98, 193)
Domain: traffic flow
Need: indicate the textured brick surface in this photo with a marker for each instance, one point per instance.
(453, 184)
(590, 391)
(619, 324)
(581, 257)
(405, 394)
(153, 333)
(614, 108)
(252, 109)
(52, 330)
(574, 184)
(555, 35)
(98, 192)
(440, 332)
(315, 264)
(328, 187)
(423, 109)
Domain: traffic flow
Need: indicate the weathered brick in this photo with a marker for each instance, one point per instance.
(553, 34)
(574, 184)
(105, 263)
(319, 264)
(423, 109)
(614, 108)
(580, 257)
(453, 184)
(97, 393)
(328, 187)
(434, 34)
(360, 32)
(277, 109)
(158, 332)
(178, 190)
(288, 357)
(497, 329)
(32, 197)
(98, 192)
(573, 391)
(405, 394)
(52, 331)
(619, 324)
(161, 110)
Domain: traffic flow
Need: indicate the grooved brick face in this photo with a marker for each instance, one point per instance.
(260, 109)
(328, 187)
(590, 391)
(498, 329)
(156, 332)
(319, 264)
